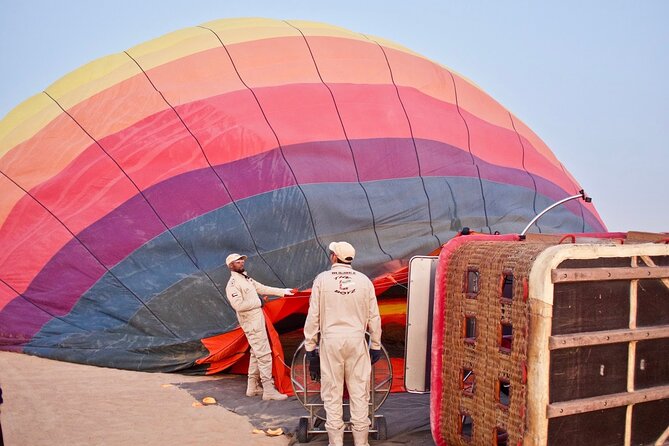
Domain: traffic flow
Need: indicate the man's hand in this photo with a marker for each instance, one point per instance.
(314, 365)
(289, 291)
(375, 355)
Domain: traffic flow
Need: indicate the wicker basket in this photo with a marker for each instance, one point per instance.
(538, 343)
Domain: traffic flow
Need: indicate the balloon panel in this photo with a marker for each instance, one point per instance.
(127, 182)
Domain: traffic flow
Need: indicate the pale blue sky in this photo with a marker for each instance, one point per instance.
(591, 78)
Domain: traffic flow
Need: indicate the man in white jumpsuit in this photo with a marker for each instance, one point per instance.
(342, 306)
(242, 292)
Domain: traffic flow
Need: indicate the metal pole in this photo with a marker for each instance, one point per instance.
(581, 194)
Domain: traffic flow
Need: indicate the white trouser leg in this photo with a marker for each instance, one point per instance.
(345, 360)
(253, 387)
(335, 437)
(261, 352)
(357, 371)
(332, 382)
(253, 365)
(260, 362)
(360, 437)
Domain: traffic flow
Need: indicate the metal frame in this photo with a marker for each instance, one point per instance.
(316, 422)
(581, 194)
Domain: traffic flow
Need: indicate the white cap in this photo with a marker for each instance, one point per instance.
(233, 258)
(344, 251)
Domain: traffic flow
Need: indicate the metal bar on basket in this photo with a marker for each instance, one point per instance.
(373, 399)
(581, 194)
(304, 377)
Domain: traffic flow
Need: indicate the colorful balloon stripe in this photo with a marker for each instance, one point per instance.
(166, 263)
(124, 184)
(182, 152)
(180, 199)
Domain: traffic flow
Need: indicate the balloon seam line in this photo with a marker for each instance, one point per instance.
(306, 201)
(109, 270)
(276, 136)
(576, 188)
(469, 147)
(348, 142)
(30, 301)
(197, 141)
(522, 146)
(67, 229)
(413, 140)
(234, 203)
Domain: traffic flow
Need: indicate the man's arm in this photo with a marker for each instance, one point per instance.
(374, 321)
(272, 291)
(313, 322)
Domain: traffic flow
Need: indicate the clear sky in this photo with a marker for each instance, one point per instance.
(591, 78)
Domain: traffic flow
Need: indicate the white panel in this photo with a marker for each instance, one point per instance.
(419, 323)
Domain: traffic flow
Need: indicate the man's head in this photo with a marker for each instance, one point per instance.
(342, 252)
(235, 262)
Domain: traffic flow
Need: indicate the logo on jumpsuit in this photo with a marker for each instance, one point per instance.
(346, 285)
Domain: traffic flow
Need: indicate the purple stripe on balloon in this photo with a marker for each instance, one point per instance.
(121, 231)
(187, 196)
(497, 174)
(20, 320)
(439, 159)
(255, 175)
(73, 271)
(178, 199)
(322, 162)
(64, 278)
(382, 159)
(54, 291)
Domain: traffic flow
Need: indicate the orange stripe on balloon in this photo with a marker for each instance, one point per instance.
(498, 145)
(195, 76)
(349, 61)
(423, 75)
(268, 63)
(117, 108)
(196, 83)
(476, 102)
(46, 154)
(86, 199)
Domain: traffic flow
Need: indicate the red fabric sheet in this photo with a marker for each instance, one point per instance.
(228, 351)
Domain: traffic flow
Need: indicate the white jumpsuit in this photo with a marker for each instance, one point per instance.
(242, 292)
(342, 306)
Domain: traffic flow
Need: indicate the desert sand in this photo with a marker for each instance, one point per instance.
(57, 403)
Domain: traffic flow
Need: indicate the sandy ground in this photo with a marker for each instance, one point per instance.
(57, 403)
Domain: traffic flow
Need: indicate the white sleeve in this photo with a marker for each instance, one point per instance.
(312, 324)
(264, 289)
(374, 321)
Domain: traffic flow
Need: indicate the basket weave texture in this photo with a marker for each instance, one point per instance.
(492, 364)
